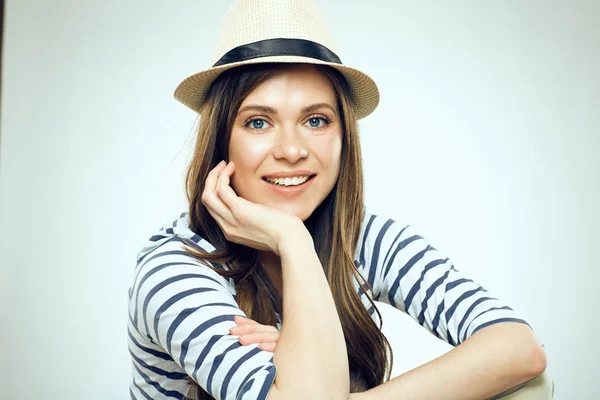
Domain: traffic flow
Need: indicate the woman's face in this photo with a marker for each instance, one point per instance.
(288, 126)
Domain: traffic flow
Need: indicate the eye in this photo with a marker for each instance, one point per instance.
(256, 123)
(315, 122)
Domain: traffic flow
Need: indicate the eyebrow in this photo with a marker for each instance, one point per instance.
(271, 110)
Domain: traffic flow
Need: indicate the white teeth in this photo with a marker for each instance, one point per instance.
(296, 180)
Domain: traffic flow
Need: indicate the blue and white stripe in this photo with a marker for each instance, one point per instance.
(180, 311)
(408, 273)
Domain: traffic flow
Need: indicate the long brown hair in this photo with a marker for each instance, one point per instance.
(334, 225)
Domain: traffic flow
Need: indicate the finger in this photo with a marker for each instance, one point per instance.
(211, 199)
(211, 178)
(268, 346)
(210, 183)
(218, 213)
(213, 203)
(224, 190)
(252, 328)
(243, 320)
(263, 337)
(218, 210)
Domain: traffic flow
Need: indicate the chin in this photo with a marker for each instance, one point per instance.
(301, 212)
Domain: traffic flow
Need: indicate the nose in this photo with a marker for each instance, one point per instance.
(290, 145)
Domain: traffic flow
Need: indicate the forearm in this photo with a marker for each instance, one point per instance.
(311, 355)
(493, 360)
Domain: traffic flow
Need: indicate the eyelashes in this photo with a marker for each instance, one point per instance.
(261, 122)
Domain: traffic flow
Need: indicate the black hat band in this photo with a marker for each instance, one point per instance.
(279, 47)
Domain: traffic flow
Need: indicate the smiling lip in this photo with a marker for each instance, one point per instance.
(290, 174)
(290, 191)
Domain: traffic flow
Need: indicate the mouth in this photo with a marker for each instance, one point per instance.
(289, 182)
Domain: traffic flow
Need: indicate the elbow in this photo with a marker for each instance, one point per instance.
(539, 361)
(536, 361)
(529, 352)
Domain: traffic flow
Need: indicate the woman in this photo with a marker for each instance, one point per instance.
(280, 234)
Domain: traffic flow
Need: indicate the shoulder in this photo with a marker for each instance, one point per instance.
(174, 230)
(168, 278)
(379, 231)
(168, 247)
(385, 241)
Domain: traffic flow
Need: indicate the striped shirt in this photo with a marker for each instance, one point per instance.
(180, 311)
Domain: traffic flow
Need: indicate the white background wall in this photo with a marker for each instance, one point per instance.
(487, 140)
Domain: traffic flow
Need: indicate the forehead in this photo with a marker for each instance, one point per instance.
(295, 85)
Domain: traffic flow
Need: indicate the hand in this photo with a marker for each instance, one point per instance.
(242, 221)
(250, 332)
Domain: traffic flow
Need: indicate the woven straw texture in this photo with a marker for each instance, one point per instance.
(249, 21)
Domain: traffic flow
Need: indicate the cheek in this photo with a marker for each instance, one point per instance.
(246, 148)
(247, 156)
(334, 149)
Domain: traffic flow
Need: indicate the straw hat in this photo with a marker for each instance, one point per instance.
(285, 31)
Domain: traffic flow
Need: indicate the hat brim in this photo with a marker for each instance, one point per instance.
(365, 94)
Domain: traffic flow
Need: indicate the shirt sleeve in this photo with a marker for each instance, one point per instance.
(408, 273)
(187, 309)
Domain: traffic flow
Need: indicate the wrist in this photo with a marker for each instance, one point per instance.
(294, 239)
